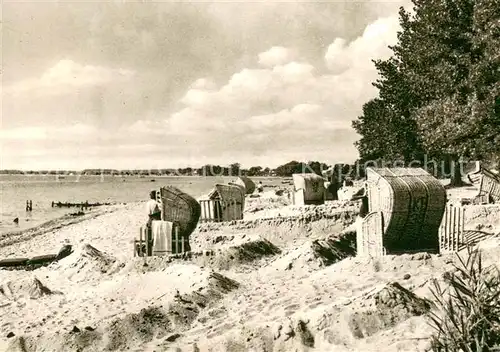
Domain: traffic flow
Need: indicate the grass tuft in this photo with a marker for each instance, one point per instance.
(467, 317)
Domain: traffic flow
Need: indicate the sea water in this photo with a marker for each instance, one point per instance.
(42, 190)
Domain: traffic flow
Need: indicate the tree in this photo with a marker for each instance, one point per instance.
(255, 171)
(296, 167)
(485, 77)
(316, 167)
(234, 169)
(438, 93)
(381, 133)
(289, 168)
(387, 126)
(465, 122)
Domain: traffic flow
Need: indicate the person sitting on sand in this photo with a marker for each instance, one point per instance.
(153, 208)
(260, 187)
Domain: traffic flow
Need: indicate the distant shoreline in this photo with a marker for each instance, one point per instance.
(11, 237)
(129, 176)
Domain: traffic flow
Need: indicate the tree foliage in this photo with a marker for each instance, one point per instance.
(439, 91)
(296, 167)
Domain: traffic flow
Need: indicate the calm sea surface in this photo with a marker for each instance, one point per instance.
(42, 190)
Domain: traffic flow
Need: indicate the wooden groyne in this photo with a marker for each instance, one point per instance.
(77, 205)
(36, 261)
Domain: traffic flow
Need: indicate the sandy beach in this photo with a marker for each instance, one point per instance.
(283, 279)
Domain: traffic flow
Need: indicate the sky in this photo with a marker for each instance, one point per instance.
(174, 84)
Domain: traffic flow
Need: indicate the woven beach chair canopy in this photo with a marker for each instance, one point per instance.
(313, 186)
(228, 193)
(232, 201)
(490, 184)
(247, 183)
(180, 208)
(412, 203)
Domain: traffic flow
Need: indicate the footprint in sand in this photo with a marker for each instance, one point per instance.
(218, 330)
(292, 308)
(281, 303)
(315, 304)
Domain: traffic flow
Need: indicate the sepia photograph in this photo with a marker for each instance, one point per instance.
(261, 176)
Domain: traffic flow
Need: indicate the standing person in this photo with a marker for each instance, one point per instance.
(333, 188)
(326, 184)
(153, 209)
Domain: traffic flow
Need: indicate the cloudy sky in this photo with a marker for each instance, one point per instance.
(147, 85)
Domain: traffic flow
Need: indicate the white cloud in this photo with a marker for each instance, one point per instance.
(203, 83)
(294, 72)
(196, 97)
(68, 75)
(288, 104)
(284, 109)
(277, 55)
(374, 43)
(248, 81)
(306, 109)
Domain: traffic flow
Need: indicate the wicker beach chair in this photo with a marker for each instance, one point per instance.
(406, 207)
(247, 183)
(308, 189)
(181, 209)
(489, 187)
(172, 243)
(229, 201)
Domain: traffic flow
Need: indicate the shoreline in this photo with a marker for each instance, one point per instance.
(9, 238)
(33, 225)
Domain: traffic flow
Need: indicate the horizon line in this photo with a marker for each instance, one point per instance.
(167, 168)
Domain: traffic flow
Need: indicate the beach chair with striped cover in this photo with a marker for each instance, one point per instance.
(164, 239)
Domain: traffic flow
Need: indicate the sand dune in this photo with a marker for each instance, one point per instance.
(283, 279)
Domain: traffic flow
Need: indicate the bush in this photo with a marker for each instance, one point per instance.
(468, 311)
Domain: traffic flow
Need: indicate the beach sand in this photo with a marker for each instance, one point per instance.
(283, 279)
